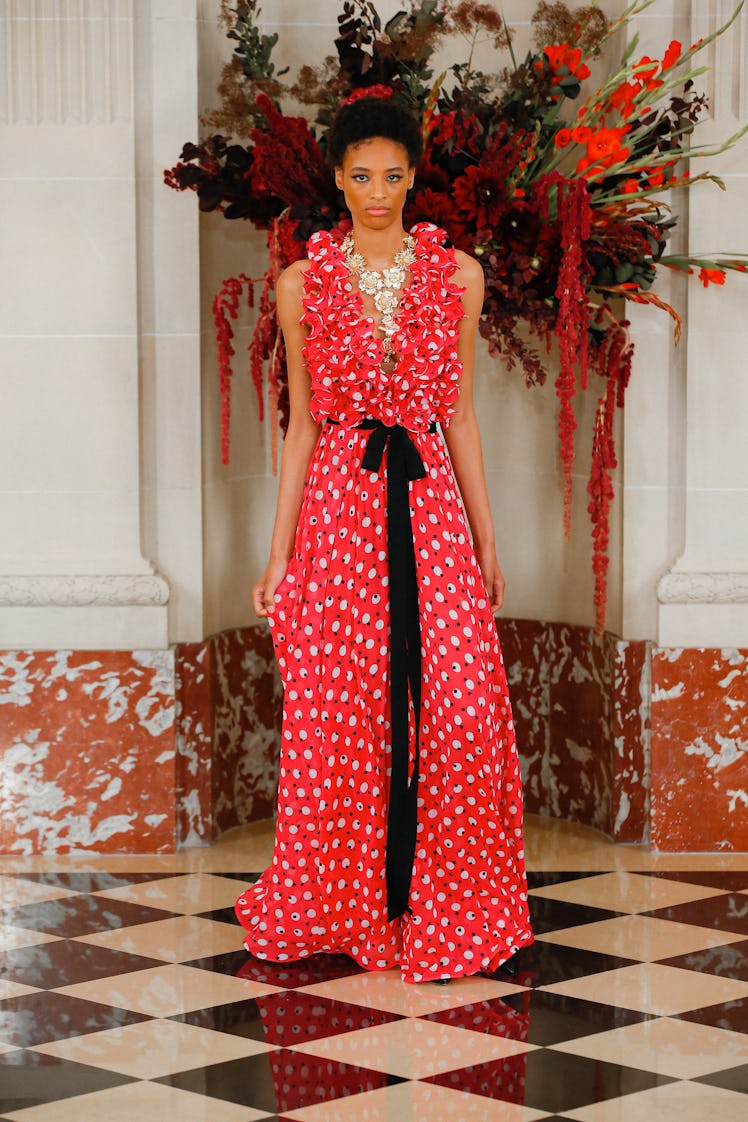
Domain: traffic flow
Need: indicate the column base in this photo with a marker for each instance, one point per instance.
(84, 611)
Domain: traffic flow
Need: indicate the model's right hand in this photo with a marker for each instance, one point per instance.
(263, 593)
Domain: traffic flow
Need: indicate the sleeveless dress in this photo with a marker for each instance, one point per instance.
(326, 889)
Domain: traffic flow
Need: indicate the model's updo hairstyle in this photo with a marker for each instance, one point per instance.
(370, 117)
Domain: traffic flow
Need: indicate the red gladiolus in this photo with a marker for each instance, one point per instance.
(605, 145)
(581, 134)
(562, 138)
(656, 179)
(622, 99)
(630, 187)
(570, 57)
(646, 75)
(672, 54)
(712, 276)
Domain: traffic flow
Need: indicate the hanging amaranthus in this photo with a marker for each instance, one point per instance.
(226, 308)
(572, 322)
(613, 362)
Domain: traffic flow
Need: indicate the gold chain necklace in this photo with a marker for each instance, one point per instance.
(383, 286)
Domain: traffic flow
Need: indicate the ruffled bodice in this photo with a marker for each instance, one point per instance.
(344, 350)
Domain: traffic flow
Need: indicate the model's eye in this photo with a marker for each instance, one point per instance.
(394, 177)
(360, 177)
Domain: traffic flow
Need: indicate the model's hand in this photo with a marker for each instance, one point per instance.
(263, 592)
(493, 576)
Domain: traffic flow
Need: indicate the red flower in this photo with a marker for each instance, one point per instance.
(436, 206)
(454, 130)
(672, 54)
(605, 145)
(630, 187)
(656, 178)
(604, 150)
(287, 161)
(711, 276)
(581, 134)
(481, 195)
(570, 57)
(648, 74)
(367, 91)
(562, 138)
(290, 249)
(623, 99)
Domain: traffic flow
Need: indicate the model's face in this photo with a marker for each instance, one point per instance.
(375, 178)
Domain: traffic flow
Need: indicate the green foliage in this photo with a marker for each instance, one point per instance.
(254, 50)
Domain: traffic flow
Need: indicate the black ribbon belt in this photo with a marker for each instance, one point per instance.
(403, 464)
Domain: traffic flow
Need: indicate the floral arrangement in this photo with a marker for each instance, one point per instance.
(558, 196)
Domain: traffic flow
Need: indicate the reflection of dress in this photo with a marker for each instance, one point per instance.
(325, 889)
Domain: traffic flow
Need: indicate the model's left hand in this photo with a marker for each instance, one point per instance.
(493, 576)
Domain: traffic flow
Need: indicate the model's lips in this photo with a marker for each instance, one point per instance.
(376, 210)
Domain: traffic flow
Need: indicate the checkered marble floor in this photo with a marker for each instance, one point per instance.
(125, 996)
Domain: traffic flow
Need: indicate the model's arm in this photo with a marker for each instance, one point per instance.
(463, 436)
(301, 438)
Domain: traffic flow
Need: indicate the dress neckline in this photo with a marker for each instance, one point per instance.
(370, 325)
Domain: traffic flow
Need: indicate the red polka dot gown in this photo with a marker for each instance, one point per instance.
(325, 890)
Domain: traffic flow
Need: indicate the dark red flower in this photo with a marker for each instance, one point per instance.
(456, 131)
(480, 195)
(437, 207)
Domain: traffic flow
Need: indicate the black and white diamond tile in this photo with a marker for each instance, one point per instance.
(129, 995)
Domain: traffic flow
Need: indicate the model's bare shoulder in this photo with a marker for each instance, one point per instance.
(469, 270)
(291, 280)
(289, 292)
(469, 276)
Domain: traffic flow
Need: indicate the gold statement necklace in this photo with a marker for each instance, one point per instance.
(384, 286)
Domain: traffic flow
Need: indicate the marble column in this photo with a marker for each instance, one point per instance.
(703, 598)
(78, 326)
(100, 445)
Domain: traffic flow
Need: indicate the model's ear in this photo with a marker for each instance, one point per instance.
(339, 178)
(411, 178)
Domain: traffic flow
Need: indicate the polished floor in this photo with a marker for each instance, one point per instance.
(125, 996)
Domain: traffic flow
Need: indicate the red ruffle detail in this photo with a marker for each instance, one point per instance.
(344, 351)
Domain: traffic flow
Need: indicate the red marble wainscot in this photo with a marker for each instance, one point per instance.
(525, 645)
(87, 752)
(631, 740)
(248, 707)
(581, 719)
(194, 739)
(700, 750)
